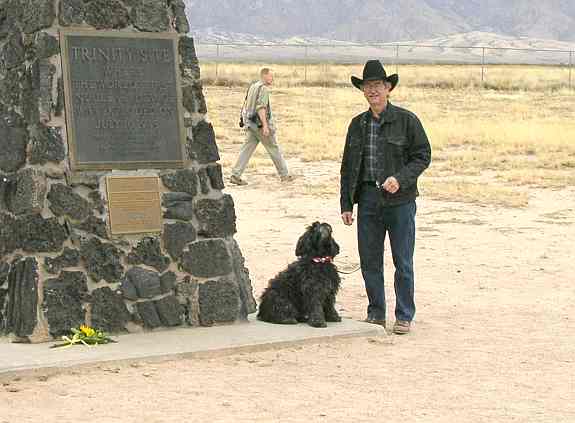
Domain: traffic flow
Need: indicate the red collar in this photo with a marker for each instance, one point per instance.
(324, 259)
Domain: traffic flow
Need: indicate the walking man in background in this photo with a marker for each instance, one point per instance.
(386, 150)
(260, 127)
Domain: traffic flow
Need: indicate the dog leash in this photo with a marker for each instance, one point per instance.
(347, 273)
(329, 259)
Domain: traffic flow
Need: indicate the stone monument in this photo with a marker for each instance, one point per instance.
(111, 209)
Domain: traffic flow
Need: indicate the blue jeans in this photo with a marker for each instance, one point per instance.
(373, 222)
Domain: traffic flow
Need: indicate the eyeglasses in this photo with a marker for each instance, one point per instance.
(377, 85)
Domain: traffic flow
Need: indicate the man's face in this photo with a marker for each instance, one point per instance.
(376, 92)
(268, 78)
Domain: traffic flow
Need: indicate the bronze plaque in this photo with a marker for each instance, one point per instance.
(123, 100)
(134, 204)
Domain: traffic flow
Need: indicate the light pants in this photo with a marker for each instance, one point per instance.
(253, 138)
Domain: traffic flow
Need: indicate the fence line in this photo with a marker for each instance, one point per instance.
(559, 55)
(483, 65)
(570, 67)
(377, 45)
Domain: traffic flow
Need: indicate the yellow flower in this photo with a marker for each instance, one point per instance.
(87, 330)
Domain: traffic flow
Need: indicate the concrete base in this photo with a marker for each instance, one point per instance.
(178, 343)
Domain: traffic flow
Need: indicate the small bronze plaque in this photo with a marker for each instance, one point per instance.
(134, 204)
(123, 100)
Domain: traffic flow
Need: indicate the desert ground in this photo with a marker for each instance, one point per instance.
(494, 334)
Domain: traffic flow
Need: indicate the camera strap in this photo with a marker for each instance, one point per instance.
(247, 93)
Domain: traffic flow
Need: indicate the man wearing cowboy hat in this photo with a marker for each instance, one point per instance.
(386, 150)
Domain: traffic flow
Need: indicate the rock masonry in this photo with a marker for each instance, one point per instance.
(59, 267)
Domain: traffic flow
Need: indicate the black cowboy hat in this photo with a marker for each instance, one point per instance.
(374, 71)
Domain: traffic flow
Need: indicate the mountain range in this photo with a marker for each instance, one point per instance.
(383, 20)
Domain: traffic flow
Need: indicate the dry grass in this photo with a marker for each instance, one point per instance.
(539, 178)
(494, 77)
(473, 192)
(521, 136)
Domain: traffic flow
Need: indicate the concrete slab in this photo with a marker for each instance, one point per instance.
(18, 359)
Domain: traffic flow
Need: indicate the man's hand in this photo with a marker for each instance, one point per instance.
(266, 131)
(391, 185)
(347, 218)
(262, 113)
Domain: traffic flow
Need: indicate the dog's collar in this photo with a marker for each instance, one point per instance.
(324, 259)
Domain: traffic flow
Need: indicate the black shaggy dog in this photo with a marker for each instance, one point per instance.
(306, 290)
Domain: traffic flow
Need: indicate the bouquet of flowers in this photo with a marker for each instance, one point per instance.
(85, 335)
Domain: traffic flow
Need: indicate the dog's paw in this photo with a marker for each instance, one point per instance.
(288, 322)
(317, 323)
(333, 318)
(302, 319)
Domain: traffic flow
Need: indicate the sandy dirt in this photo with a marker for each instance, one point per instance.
(493, 339)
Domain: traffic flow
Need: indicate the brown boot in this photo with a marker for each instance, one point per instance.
(401, 327)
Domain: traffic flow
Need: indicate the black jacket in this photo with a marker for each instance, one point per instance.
(406, 153)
